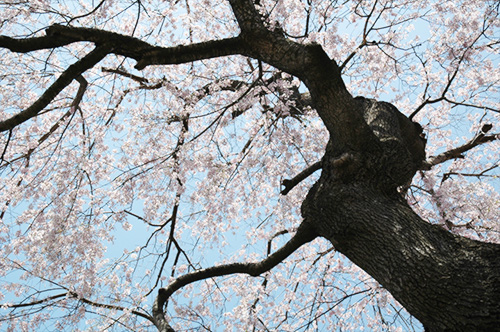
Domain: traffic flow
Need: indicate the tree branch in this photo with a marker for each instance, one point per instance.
(33, 303)
(73, 295)
(121, 72)
(26, 45)
(121, 44)
(249, 19)
(72, 73)
(146, 54)
(342, 116)
(289, 184)
(458, 152)
(275, 49)
(305, 234)
(189, 53)
(308, 62)
(74, 106)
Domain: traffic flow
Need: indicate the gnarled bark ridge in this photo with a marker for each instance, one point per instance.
(446, 281)
(449, 283)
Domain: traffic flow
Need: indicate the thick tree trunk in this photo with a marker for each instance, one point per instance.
(445, 281)
(449, 283)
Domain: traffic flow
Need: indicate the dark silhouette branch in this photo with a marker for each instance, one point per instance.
(189, 53)
(305, 234)
(72, 73)
(9, 136)
(289, 184)
(87, 14)
(25, 45)
(144, 53)
(77, 297)
(457, 152)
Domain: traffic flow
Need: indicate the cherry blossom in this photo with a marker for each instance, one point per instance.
(130, 173)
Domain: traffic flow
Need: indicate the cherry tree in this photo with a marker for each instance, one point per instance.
(249, 165)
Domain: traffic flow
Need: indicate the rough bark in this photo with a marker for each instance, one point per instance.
(446, 281)
(449, 283)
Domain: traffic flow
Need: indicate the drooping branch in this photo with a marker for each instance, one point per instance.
(106, 42)
(73, 72)
(73, 295)
(74, 106)
(305, 234)
(457, 152)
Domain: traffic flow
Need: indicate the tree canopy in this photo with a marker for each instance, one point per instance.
(249, 165)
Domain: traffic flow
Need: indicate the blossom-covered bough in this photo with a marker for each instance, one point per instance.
(363, 203)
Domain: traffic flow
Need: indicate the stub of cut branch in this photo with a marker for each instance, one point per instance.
(289, 184)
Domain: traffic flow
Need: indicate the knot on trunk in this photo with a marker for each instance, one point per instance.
(401, 143)
(388, 160)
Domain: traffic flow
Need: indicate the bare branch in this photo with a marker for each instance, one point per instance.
(73, 72)
(477, 175)
(305, 233)
(89, 13)
(26, 45)
(6, 146)
(189, 53)
(289, 184)
(77, 297)
(458, 152)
